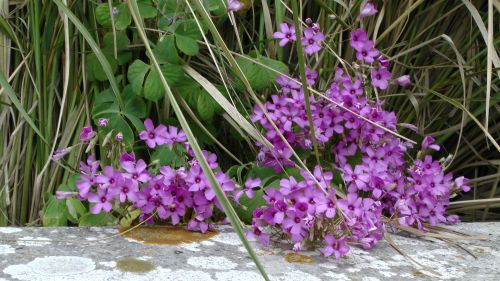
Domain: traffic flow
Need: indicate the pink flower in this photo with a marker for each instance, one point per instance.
(153, 136)
(367, 9)
(103, 122)
(101, 200)
(461, 183)
(286, 35)
(402, 81)
(174, 135)
(335, 246)
(312, 41)
(428, 142)
(119, 137)
(380, 78)
(358, 39)
(367, 52)
(234, 5)
(60, 153)
(86, 133)
(259, 234)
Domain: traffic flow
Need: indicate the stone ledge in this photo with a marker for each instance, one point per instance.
(96, 253)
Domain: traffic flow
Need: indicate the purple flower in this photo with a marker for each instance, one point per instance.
(102, 122)
(258, 233)
(272, 195)
(311, 76)
(60, 153)
(402, 81)
(114, 11)
(294, 224)
(275, 214)
(428, 142)
(196, 179)
(198, 225)
(109, 178)
(452, 219)
(153, 136)
(286, 34)
(101, 200)
(136, 170)
(288, 186)
(335, 246)
(225, 183)
(127, 157)
(86, 133)
(174, 135)
(60, 195)
(119, 137)
(367, 52)
(250, 184)
(356, 178)
(461, 183)
(127, 189)
(380, 78)
(234, 5)
(358, 39)
(352, 206)
(327, 206)
(287, 85)
(175, 211)
(312, 41)
(367, 9)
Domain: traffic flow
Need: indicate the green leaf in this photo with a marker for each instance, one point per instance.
(258, 76)
(101, 219)
(187, 45)
(75, 209)
(122, 19)
(188, 28)
(94, 68)
(166, 156)
(261, 172)
(205, 107)
(122, 43)
(127, 220)
(153, 89)
(174, 73)
(122, 40)
(135, 75)
(134, 105)
(119, 125)
(146, 9)
(55, 213)
(168, 7)
(216, 6)
(166, 51)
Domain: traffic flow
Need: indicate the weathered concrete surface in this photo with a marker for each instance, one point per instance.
(89, 254)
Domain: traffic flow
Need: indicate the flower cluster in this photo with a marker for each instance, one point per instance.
(378, 180)
(311, 37)
(167, 193)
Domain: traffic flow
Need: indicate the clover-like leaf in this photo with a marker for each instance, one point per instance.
(94, 68)
(187, 45)
(259, 76)
(122, 17)
(136, 73)
(165, 51)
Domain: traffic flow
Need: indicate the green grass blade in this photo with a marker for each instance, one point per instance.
(13, 98)
(228, 208)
